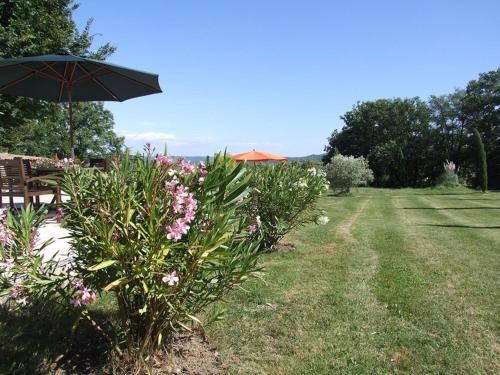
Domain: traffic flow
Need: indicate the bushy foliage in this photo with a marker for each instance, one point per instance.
(165, 237)
(284, 197)
(449, 177)
(344, 172)
(26, 277)
(406, 139)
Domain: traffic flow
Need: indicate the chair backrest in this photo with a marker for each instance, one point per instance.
(100, 163)
(12, 174)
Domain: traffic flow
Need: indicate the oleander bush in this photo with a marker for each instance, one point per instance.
(164, 237)
(345, 172)
(284, 197)
(27, 278)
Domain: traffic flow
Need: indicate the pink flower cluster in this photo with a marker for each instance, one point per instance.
(186, 167)
(83, 295)
(7, 265)
(17, 294)
(183, 203)
(171, 278)
(202, 171)
(35, 236)
(165, 160)
(255, 225)
(59, 215)
(6, 235)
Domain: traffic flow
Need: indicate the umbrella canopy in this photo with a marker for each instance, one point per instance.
(69, 78)
(258, 156)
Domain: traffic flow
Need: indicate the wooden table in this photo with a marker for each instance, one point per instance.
(54, 174)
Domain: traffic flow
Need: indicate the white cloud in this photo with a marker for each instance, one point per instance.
(147, 136)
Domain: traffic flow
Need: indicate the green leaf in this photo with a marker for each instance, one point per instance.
(117, 282)
(102, 265)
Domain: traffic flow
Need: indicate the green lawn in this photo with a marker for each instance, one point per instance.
(399, 281)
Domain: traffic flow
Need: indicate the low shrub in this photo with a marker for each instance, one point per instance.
(449, 177)
(165, 237)
(284, 197)
(345, 172)
(26, 278)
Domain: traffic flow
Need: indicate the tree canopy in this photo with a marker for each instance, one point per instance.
(34, 127)
(407, 140)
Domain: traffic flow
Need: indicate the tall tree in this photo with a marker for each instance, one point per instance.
(394, 134)
(448, 124)
(481, 110)
(31, 126)
(482, 169)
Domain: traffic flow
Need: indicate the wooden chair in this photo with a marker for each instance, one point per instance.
(15, 182)
(100, 163)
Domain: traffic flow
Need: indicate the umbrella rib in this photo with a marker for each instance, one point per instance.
(88, 75)
(62, 83)
(125, 76)
(55, 71)
(96, 80)
(33, 72)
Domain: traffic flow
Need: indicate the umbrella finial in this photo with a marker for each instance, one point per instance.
(64, 51)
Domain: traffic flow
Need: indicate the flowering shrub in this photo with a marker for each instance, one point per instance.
(163, 236)
(26, 278)
(344, 172)
(284, 197)
(51, 163)
(449, 177)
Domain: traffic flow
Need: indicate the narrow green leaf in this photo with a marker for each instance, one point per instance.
(102, 265)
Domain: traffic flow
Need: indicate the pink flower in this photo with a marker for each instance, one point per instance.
(88, 296)
(3, 213)
(164, 160)
(59, 215)
(189, 216)
(170, 185)
(76, 302)
(23, 301)
(8, 265)
(6, 235)
(257, 221)
(83, 296)
(78, 283)
(182, 191)
(35, 236)
(202, 171)
(177, 205)
(177, 229)
(255, 225)
(190, 203)
(171, 279)
(186, 166)
(16, 290)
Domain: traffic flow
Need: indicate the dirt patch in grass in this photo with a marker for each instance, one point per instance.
(195, 354)
(192, 353)
(344, 228)
(285, 247)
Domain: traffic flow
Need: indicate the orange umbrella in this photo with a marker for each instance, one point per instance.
(258, 156)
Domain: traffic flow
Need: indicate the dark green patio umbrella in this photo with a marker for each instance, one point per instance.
(69, 78)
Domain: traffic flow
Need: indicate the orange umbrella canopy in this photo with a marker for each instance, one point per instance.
(258, 156)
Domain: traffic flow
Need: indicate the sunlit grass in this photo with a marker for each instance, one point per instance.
(399, 281)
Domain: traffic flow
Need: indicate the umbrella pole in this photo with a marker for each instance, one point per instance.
(71, 127)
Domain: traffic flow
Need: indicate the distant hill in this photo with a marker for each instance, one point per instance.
(315, 157)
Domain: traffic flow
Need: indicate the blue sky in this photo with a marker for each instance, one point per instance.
(277, 75)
